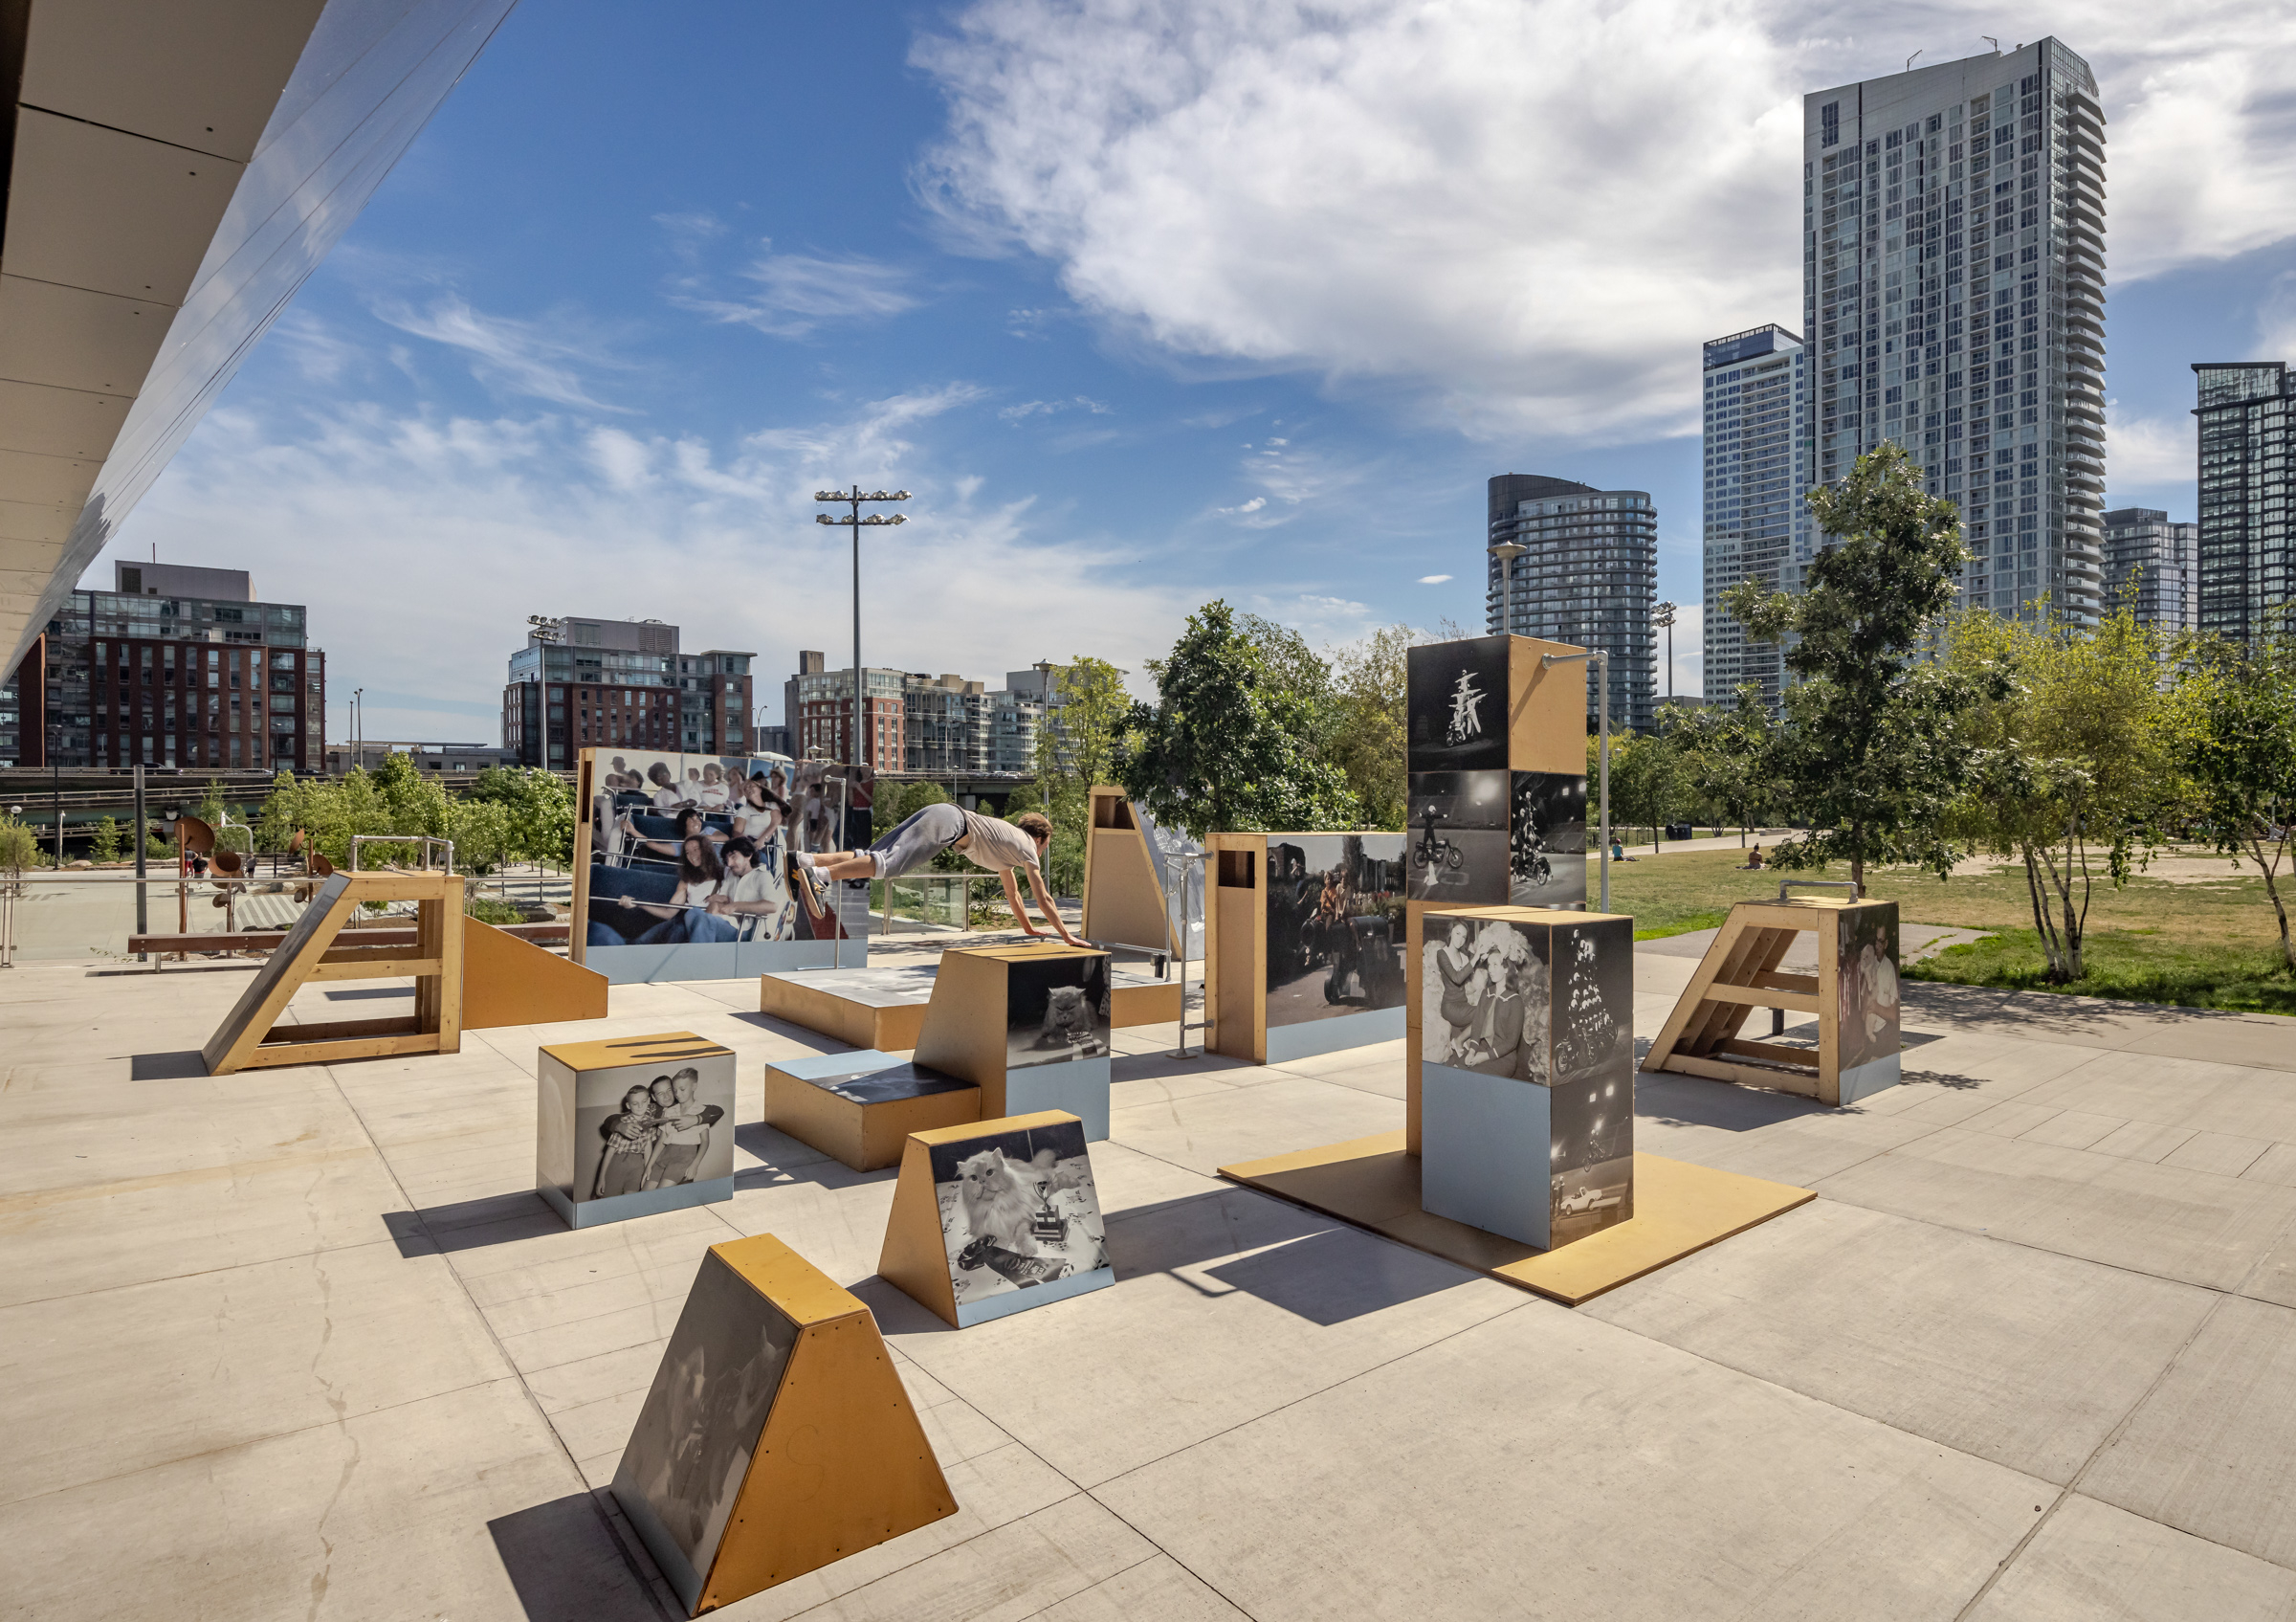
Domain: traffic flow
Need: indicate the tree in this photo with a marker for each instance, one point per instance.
(1868, 751)
(1646, 783)
(539, 809)
(2234, 739)
(1722, 752)
(1076, 751)
(1367, 743)
(2067, 756)
(1229, 744)
(104, 846)
(19, 846)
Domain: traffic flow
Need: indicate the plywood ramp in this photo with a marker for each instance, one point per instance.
(314, 951)
(1678, 1208)
(507, 981)
(1124, 902)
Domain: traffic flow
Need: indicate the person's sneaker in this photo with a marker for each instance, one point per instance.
(812, 888)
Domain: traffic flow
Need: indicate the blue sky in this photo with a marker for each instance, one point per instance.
(1148, 302)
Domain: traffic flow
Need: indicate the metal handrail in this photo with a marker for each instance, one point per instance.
(1849, 884)
(1186, 934)
(424, 840)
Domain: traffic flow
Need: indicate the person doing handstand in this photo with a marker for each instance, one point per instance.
(984, 841)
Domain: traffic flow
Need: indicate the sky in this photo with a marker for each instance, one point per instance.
(1148, 302)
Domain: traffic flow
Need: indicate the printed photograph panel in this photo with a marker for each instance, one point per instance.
(1486, 984)
(699, 1427)
(653, 1125)
(1455, 705)
(1464, 866)
(693, 850)
(1866, 986)
(1335, 925)
(1547, 853)
(1458, 799)
(1018, 1210)
(1056, 1010)
(1594, 1078)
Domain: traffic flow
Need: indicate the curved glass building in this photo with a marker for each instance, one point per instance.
(1589, 577)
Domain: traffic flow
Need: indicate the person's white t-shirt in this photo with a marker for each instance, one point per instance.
(712, 796)
(997, 845)
(757, 884)
(694, 892)
(668, 799)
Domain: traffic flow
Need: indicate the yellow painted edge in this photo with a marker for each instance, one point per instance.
(801, 1291)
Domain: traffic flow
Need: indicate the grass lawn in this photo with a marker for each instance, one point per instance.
(2210, 944)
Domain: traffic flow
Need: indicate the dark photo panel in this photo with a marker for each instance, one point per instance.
(1594, 1000)
(1456, 705)
(1547, 853)
(1465, 866)
(1056, 1010)
(694, 1437)
(1458, 799)
(1335, 925)
(1487, 987)
(1868, 986)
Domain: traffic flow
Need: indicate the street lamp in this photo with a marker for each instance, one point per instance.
(358, 727)
(854, 499)
(1507, 551)
(1664, 619)
(1601, 659)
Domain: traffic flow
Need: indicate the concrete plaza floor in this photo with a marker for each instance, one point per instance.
(302, 1344)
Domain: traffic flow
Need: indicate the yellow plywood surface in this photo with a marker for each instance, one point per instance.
(863, 1136)
(1157, 1003)
(1546, 707)
(858, 1024)
(507, 981)
(842, 1463)
(1123, 897)
(914, 1257)
(963, 1034)
(607, 1052)
(1679, 1207)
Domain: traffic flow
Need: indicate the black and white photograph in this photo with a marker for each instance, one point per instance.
(693, 850)
(884, 1083)
(699, 1427)
(654, 1125)
(1593, 998)
(1465, 866)
(1486, 988)
(1335, 925)
(1865, 988)
(1455, 705)
(1056, 1010)
(1591, 1108)
(1547, 857)
(1018, 1210)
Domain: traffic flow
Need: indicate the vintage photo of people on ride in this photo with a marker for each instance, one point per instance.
(1018, 1210)
(690, 1451)
(1546, 852)
(1867, 987)
(1458, 840)
(1335, 925)
(693, 850)
(1553, 1008)
(1057, 1009)
(1456, 708)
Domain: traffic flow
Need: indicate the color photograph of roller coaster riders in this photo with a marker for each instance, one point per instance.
(1335, 925)
(689, 850)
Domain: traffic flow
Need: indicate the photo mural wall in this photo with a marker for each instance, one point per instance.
(682, 870)
(1335, 926)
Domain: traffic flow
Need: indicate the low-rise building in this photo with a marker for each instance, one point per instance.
(588, 683)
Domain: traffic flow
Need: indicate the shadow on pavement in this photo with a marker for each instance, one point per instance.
(563, 1560)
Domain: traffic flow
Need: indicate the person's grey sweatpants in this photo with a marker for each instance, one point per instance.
(915, 842)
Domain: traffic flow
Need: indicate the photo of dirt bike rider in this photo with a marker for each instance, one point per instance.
(1433, 850)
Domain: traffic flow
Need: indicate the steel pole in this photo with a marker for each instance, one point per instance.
(143, 918)
(1601, 663)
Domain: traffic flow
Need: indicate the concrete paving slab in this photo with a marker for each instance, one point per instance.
(2142, 1140)
(2092, 1562)
(2191, 1226)
(1640, 1481)
(2219, 1152)
(2213, 1450)
(458, 1505)
(1213, 1129)
(245, 1353)
(2006, 1352)
(2276, 1165)
(1252, 1303)
(1158, 1589)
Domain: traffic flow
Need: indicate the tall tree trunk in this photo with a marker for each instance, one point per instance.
(2280, 908)
(2038, 894)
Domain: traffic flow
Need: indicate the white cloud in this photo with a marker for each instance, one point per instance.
(1527, 211)
(1433, 579)
(799, 293)
(445, 533)
(518, 357)
(2276, 322)
(2148, 450)
(1053, 408)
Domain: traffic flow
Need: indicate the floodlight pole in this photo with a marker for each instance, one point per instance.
(853, 497)
(1601, 659)
(1665, 620)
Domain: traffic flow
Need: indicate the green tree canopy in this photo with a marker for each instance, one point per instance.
(2234, 736)
(1232, 742)
(1367, 742)
(1722, 750)
(1868, 752)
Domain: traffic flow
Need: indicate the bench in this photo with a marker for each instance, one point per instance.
(859, 1108)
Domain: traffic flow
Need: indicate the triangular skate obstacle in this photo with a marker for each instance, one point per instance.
(1854, 995)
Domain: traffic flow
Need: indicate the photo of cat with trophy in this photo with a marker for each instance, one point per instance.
(1056, 1010)
(1018, 1210)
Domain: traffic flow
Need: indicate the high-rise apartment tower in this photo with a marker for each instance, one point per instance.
(1590, 577)
(2152, 563)
(1954, 284)
(1758, 476)
(2247, 414)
